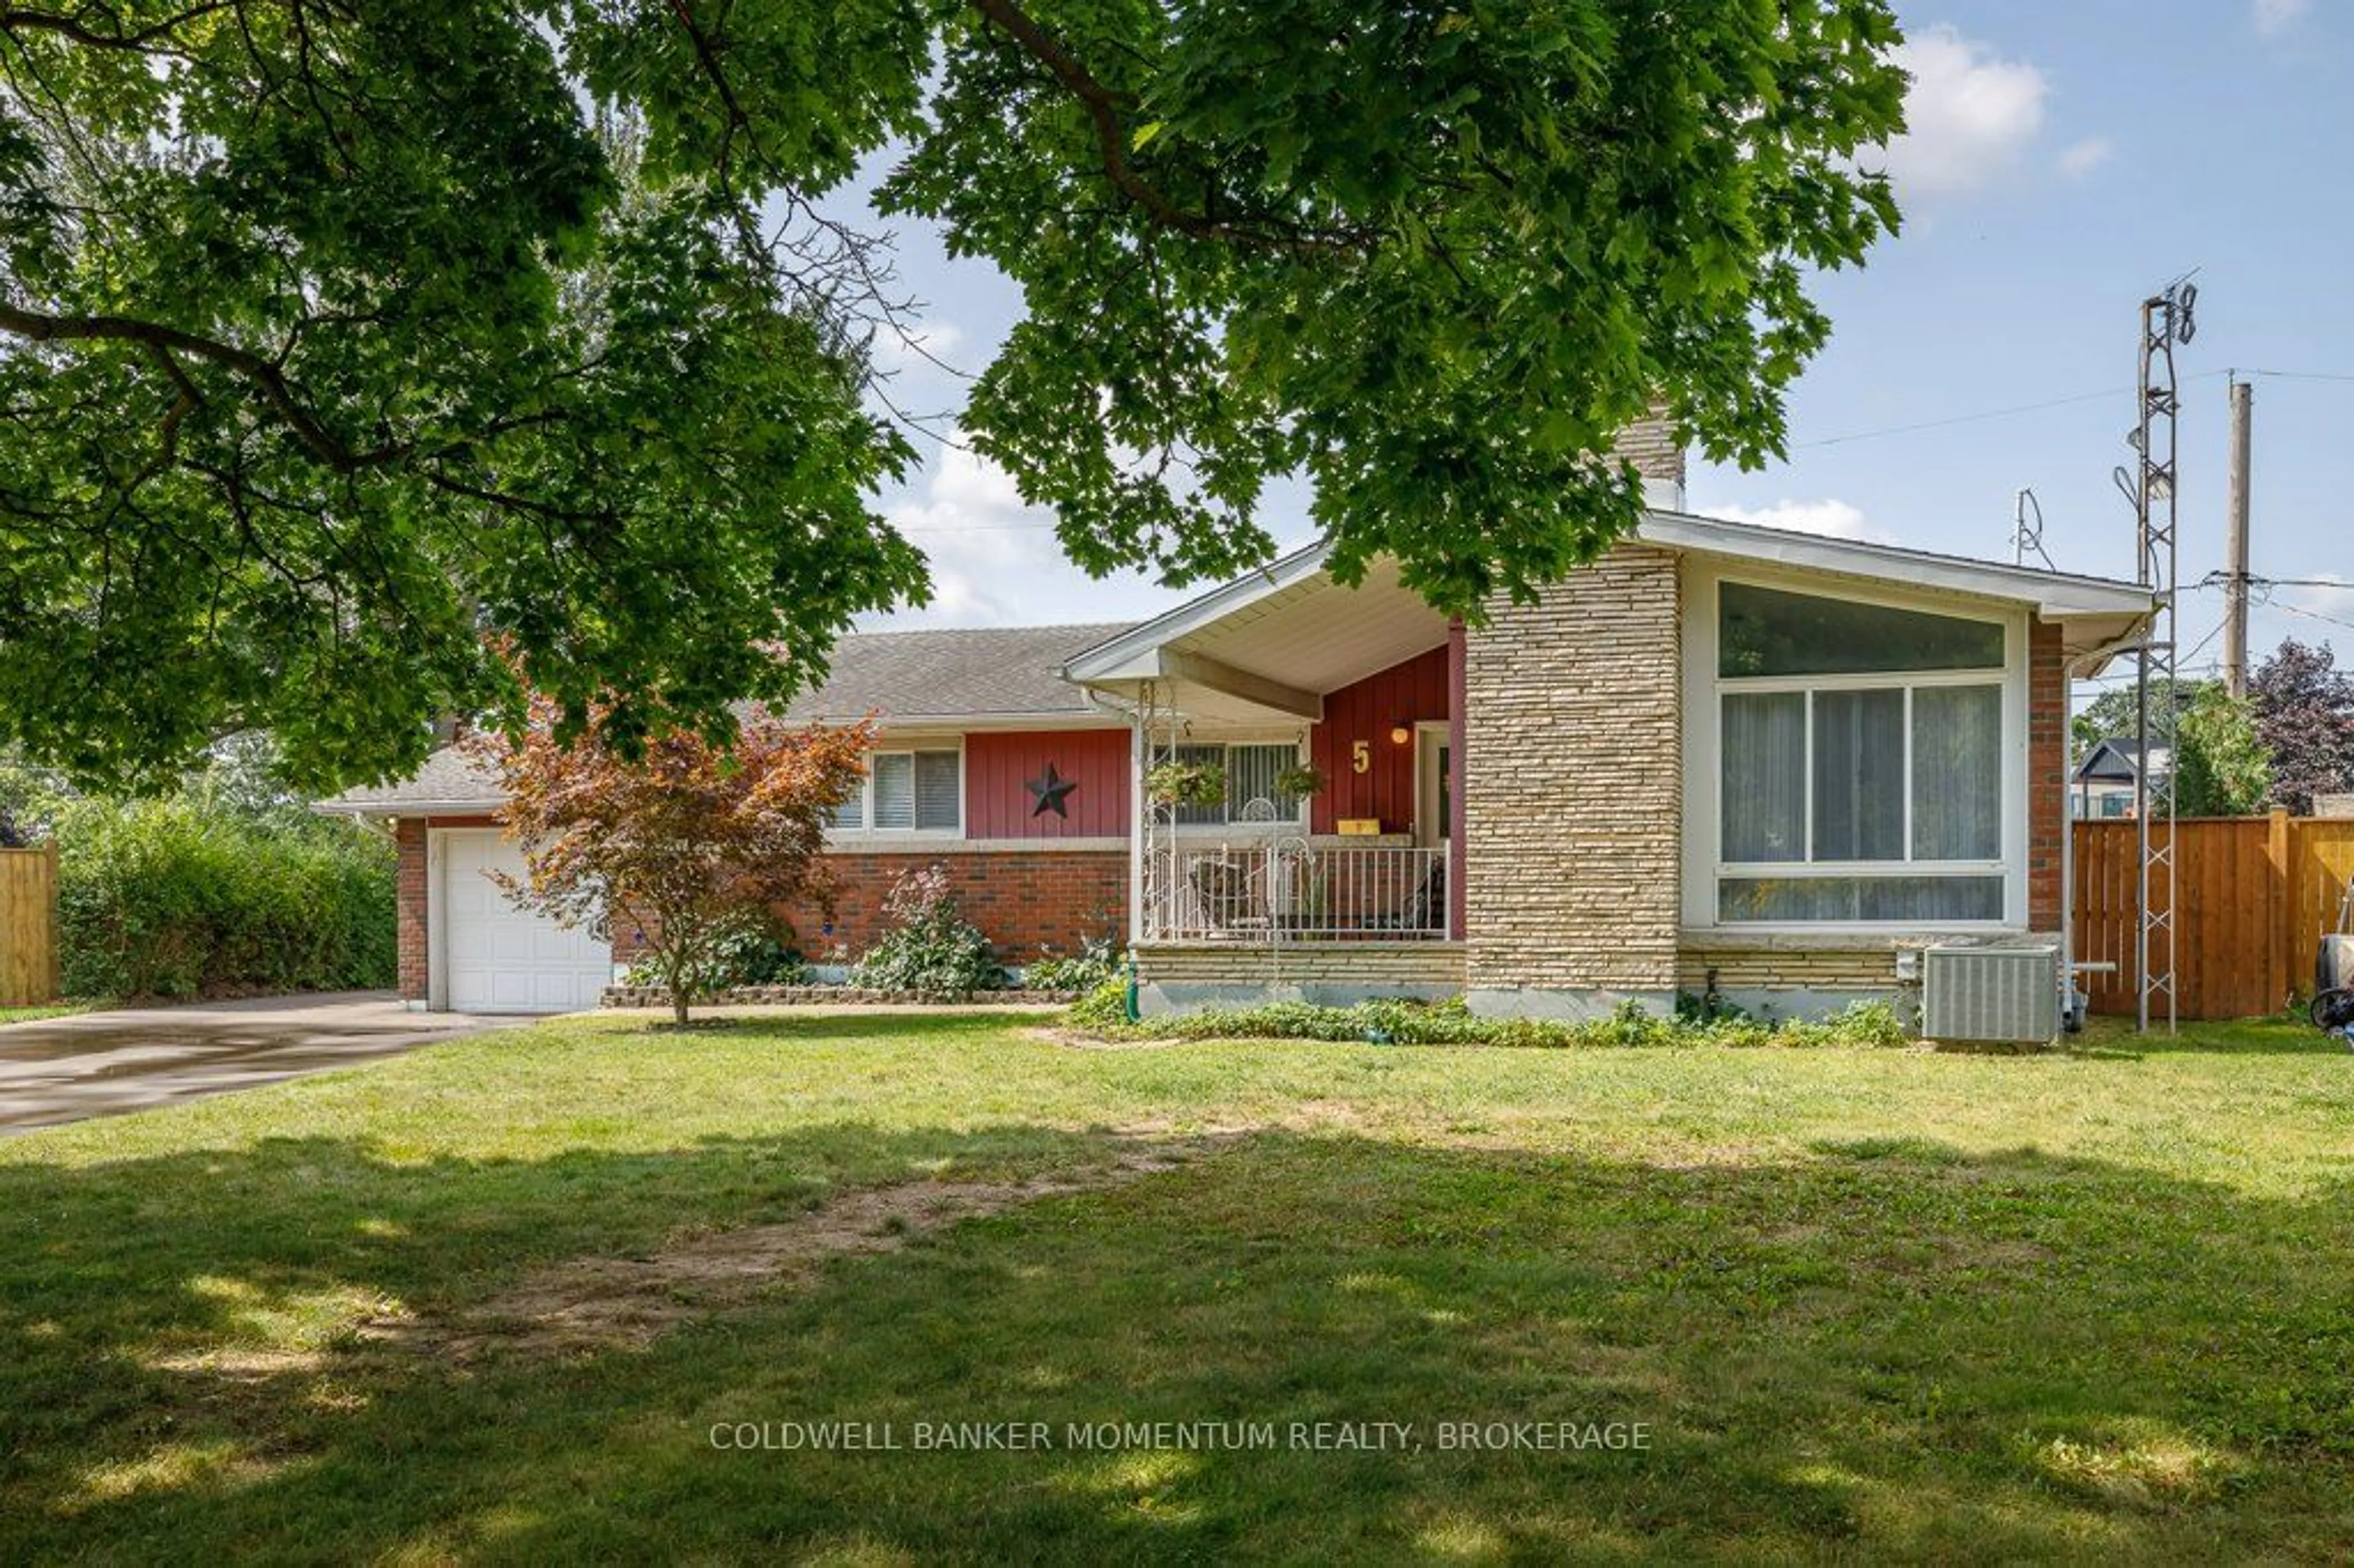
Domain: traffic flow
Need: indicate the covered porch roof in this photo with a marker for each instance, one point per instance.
(1265, 648)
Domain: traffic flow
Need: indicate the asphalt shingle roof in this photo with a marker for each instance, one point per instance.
(948, 674)
(954, 673)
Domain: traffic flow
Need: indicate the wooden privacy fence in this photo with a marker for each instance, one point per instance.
(2255, 893)
(29, 925)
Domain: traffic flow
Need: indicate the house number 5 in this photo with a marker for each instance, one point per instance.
(1361, 756)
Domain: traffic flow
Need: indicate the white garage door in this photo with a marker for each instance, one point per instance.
(500, 958)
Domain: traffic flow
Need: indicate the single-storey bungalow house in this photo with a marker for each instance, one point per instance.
(1720, 758)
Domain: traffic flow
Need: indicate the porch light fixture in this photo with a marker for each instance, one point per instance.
(1401, 733)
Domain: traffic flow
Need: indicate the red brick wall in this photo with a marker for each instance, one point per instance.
(408, 899)
(998, 768)
(1019, 898)
(2047, 765)
(411, 877)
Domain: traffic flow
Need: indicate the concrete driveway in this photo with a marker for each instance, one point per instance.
(57, 1070)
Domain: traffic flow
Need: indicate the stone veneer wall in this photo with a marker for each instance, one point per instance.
(1573, 791)
(1651, 445)
(1175, 976)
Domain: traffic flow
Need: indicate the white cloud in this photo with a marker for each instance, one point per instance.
(995, 559)
(2274, 17)
(926, 343)
(1830, 517)
(2082, 157)
(1969, 114)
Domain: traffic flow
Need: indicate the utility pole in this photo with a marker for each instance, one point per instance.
(2235, 552)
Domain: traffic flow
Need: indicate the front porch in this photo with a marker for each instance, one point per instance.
(1320, 852)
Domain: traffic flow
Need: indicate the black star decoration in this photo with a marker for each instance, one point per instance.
(1050, 789)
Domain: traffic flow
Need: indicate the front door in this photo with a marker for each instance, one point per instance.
(1434, 784)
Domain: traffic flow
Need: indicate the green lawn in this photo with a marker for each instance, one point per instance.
(45, 1009)
(2095, 1305)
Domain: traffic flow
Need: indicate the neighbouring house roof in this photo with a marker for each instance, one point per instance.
(450, 783)
(2117, 758)
(948, 678)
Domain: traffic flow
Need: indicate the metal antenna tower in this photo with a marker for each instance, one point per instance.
(2166, 320)
(2027, 531)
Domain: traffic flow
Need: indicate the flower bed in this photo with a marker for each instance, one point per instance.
(813, 995)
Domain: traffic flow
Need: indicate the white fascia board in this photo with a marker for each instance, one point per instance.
(2056, 596)
(407, 808)
(1132, 655)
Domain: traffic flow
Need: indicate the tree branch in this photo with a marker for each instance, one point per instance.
(267, 377)
(1104, 106)
(15, 18)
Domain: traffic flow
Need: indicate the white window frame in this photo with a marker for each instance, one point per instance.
(867, 833)
(1296, 824)
(1704, 693)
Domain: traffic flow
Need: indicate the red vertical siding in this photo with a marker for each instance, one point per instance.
(998, 803)
(1366, 711)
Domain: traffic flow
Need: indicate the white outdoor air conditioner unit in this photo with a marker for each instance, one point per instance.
(1992, 994)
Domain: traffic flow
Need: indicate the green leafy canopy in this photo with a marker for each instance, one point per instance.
(359, 361)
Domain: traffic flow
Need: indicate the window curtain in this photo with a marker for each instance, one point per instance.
(1859, 775)
(1957, 773)
(1765, 792)
(939, 791)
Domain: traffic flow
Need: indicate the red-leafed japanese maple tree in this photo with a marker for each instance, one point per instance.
(685, 841)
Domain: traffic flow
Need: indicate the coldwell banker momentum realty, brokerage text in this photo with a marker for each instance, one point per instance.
(1099, 1437)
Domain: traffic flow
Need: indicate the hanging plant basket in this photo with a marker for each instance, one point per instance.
(1300, 782)
(1186, 784)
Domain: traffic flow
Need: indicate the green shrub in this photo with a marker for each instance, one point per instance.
(1104, 1007)
(1096, 960)
(177, 898)
(758, 950)
(1864, 1024)
(928, 950)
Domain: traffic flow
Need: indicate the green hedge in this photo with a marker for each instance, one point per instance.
(1451, 1023)
(177, 898)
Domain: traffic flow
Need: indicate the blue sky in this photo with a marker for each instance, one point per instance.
(2065, 160)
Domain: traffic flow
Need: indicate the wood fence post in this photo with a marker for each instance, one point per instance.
(2280, 927)
(56, 936)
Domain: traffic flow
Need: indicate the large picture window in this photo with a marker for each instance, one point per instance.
(1860, 757)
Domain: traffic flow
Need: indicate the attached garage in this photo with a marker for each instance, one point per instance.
(491, 956)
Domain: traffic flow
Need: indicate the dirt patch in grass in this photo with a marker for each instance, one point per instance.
(594, 1303)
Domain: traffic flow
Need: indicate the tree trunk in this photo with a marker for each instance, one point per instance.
(674, 972)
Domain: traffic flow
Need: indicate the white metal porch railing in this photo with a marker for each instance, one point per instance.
(1293, 892)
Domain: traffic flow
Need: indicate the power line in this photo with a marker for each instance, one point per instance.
(2311, 614)
(1971, 419)
(2008, 412)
